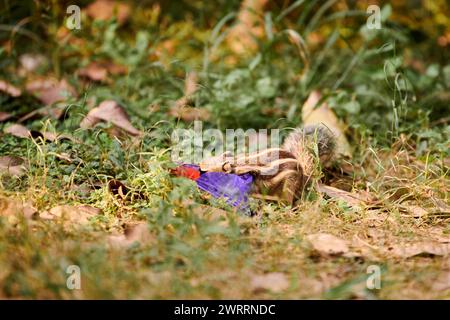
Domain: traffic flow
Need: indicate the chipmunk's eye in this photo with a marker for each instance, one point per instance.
(226, 167)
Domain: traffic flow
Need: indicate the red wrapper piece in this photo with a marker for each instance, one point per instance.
(187, 172)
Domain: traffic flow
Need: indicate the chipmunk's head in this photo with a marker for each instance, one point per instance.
(317, 139)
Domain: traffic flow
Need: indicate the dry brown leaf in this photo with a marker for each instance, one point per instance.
(50, 90)
(21, 131)
(99, 71)
(109, 111)
(115, 69)
(424, 248)
(14, 207)
(118, 241)
(315, 38)
(414, 211)
(53, 136)
(54, 112)
(9, 89)
(440, 204)
(29, 212)
(241, 38)
(189, 114)
(152, 108)
(209, 213)
(324, 115)
(13, 165)
(94, 72)
(275, 282)
(4, 116)
(442, 283)
(72, 215)
(352, 199)
(181, 108)
(190, 84)
(135, 233)
(30, 61)
(18, 130)
(106, 9)
(7, 46)
(9, 207)
(138, 232)
(327, 244)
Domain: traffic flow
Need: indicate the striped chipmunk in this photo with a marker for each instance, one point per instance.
(282, 174)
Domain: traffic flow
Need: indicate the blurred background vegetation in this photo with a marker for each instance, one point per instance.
(254, 70)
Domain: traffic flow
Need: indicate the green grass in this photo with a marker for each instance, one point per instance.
(197, 247)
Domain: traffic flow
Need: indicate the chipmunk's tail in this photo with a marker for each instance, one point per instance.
(310, 143)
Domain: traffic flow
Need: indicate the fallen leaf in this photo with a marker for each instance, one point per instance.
(424, 248)
(109, 111)
(13, 207)
(7, 46)
(275, 282)
(115, 69)
(189, 114)
(63, 156)
(208, 213)
(190, 84)
(99, 71)
(13, 165)
(9, 207)
(50, 90)
(242, 37)
(30, 61)
(138, 232)
(4, 116)
(181, 108)
(18, 130)
(72, 215)
(152, 108)
(440, 204)
(414, 211)
(54, 112)
(324, 115)
(315, 38)
(327, 244)
(134, 233)
(94, 71)
(442, 282)
(53, 136)
(352, 199)
(106, 9)
(9, 89)
(21, 131)
(29, 212)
